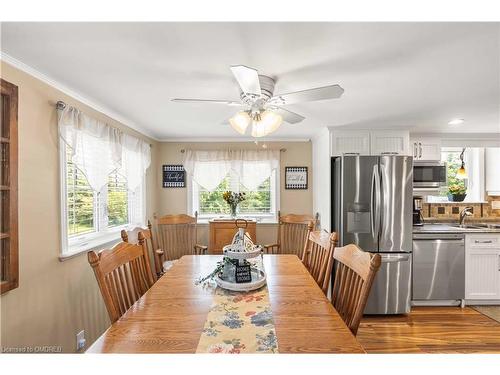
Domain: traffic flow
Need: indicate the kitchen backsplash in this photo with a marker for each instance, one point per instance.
(451, 211)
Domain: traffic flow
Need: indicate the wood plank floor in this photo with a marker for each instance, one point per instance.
(431, 330)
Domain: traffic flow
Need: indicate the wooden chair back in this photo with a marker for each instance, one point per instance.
(293, 231)
(354, 274)
(131, 236)
(177, 235)
(318, 257)
(123, 274)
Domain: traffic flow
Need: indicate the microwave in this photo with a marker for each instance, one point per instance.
(429, 176)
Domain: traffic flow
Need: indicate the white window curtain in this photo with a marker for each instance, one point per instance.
(97, 149)
(208, 168)
(474, 167)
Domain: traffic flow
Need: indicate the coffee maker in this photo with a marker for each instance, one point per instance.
(418, 219)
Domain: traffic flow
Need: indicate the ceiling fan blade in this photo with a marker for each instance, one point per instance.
(227, 102)
(289, 116)
(248, 79)
(320, 93)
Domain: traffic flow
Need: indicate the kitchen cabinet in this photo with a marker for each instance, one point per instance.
(492, 167)
(389, 142)
(370, 142)
(350, 142)
(482, 266)
(425, 149)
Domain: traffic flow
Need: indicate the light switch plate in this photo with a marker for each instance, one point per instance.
(495, 205)
(80, 341)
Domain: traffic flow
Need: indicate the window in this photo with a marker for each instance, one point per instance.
(9, 229)
(260, 203)
(95, 218)
(474, 166)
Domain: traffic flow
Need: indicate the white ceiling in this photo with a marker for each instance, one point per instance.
(395, 75)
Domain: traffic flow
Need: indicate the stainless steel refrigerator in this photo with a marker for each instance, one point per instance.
(372, 208)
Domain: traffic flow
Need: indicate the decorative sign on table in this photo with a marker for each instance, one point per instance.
(174, 176)
(296, 178)
(243, 273)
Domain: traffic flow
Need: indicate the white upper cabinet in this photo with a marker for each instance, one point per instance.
(366, 142)
(396, 142)
(492, 168)
(350, 142)
(425, 149)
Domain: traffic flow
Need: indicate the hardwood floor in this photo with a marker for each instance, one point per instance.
(431, 330)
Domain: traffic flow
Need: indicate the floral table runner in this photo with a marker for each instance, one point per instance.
(239, 322)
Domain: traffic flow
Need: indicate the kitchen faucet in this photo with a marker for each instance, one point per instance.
(467, 211)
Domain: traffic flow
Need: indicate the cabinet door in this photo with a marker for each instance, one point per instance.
(426, 149)
(492, 175)
(390, 142)
(350, 142)
(482, 273)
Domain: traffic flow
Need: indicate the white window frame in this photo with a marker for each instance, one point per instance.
(97, 239)
(482, 190)
(193, 203)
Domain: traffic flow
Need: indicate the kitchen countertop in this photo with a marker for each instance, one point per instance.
(449, 228)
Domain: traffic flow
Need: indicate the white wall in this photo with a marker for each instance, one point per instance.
(321, 177)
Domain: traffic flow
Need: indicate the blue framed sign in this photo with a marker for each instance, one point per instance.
(174, 176)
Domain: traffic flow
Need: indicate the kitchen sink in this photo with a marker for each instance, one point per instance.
(467, 226)
(489, 225)
(477, 226)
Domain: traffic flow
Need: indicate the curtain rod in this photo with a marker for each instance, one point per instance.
(60, 105)
(281, 150)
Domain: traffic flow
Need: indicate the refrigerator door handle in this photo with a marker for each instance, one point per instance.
(394, 258)
(378, 195)
(375, 203)
(372, 201)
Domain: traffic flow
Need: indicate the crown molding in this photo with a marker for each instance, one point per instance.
(233, 140)
(75, 94)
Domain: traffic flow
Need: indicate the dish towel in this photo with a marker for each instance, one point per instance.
(239, 322)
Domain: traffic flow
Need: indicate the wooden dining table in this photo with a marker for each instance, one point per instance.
(170, 317)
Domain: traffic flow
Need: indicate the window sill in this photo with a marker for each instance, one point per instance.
(98, 243)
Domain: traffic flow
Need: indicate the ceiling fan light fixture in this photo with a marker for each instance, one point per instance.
(271, 121)
(240, 122)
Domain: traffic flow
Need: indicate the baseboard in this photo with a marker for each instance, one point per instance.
(453, 302)
(478, 302)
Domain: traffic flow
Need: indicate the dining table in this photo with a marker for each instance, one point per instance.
(170, 316)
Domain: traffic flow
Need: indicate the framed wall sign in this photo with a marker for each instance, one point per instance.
(174, 176)
(296, 178)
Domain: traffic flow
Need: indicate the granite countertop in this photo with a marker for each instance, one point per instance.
(454, 228)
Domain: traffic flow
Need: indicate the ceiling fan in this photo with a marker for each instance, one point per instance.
(264, 110)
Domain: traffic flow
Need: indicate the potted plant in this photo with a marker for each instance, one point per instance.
(457, 192)
(233, 200)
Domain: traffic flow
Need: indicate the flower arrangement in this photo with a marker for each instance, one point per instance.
(457, 192)
(233, 200)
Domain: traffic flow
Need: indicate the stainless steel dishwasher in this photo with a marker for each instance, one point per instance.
(438, 268)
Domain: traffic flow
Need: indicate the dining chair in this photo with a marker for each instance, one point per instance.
(293, 231)
(318, 256)
(131, 236)
(355, 270)
(177, 236)
(123, 274)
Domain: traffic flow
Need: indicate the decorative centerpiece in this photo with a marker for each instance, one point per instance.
(233, 200)
(241, 267)
(457, 193)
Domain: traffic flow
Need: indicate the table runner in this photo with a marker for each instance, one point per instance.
(239, 322)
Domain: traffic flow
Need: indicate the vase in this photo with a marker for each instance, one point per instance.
(456, 197)
(233, 208)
